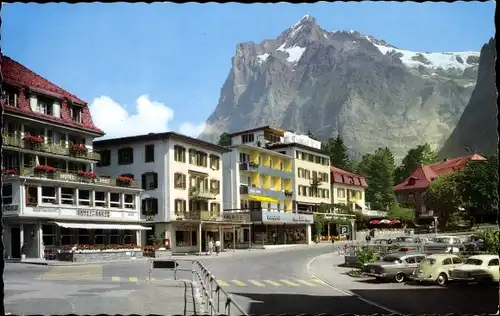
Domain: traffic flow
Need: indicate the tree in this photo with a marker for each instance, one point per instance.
(225, 140)
(319, 223)
(420, 155)
(443, 197)
(337, 150)
(404, 214)
(378, 169)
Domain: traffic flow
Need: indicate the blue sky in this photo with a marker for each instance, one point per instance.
(180, 55)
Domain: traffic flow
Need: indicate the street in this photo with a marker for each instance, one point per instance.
(261, 282)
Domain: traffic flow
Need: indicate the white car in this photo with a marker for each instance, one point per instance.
(480, 268)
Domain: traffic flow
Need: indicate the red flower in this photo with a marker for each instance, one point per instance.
(33, 139)
(45, 168)
(125, 180)
(9, 171)
(85, 174)
(79, 148)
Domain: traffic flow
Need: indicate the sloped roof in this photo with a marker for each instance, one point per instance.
(20, 76)
(425, 174)
(347, 178)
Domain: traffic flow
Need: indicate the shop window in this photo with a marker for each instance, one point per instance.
(7, 194)
(150, 181)
(84, 197)
(125, 156)
(99, 236)
(49, 195)
(100, 199)
(194, 238)
(49, 235)
(83, 236)
(149, 206)
(114, 200)
(31, 196)
(179, 181)
(129, 201)
(67, 236)
(129, 237)
(114, 237)
(149, 153)
(181, 238)
(67, 196)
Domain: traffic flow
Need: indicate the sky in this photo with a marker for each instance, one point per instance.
(158, 67)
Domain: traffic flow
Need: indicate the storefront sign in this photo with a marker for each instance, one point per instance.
(236, 217)
(93, 213)
(282, 217)
(10, 208)
(46, 209)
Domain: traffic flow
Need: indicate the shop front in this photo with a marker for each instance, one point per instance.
(281, 228)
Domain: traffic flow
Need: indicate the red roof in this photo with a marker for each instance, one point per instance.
(424, 175)
(22, 78)
(347, 178)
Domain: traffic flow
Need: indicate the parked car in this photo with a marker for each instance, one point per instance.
(474, 243)
(397, 266)
(448, 244)
(436, 267)
(408, 243)
(382, 241)
(480, 268)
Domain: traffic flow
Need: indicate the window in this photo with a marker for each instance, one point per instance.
(7, 194)
(125, 156)
(201, 159)
(149, 207)
(114, 200)
(214, 162)
(194, 238)
(49, 195)
(215, 186)
(179, 153)
(215, 209)
(244, 157)
(247, 138)
(179, 181)
(99, 236)
(11, 96)
(129, 237)
(83, 236)
(114, 237)
(192, 156)
(446, 261)
(493, 262)
(456, 260)
(76, 114)
(181, 238)
(49, 235)
(44, 106)
(150, 181)
(67, 236)
(100, 199)
(129, 201)
(105, 158)
(180, 206)
(411, 260)
(84, 197)
(31, 195)
(68, 196)
(149, 151)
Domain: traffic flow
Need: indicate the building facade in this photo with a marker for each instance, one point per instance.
(51, 195)
(262, 180)
(182, 182)
(348, 189)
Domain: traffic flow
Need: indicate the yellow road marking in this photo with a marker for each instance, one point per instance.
(238, 283)
(115, 278)
(289, 283)
(132, 279)
(256, 283)
(305, 283)
(318, 281)
(73, 273)
(222, 283)
(272, 283)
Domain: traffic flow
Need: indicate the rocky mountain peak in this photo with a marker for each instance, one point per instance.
(302, 33)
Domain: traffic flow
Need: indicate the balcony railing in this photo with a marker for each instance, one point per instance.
(254, 167)
(19, 142)
(62, 175)
(199, 215)
(202, 194)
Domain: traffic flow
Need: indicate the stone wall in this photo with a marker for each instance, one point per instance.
(100, 256)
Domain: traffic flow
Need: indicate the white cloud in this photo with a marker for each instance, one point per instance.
(150, 117)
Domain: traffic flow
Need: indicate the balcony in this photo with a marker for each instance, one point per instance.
(17, 142)
(200, 215)
(316, 182)
(253, 167)
(280, 195)
(82, 177)
(201, 194)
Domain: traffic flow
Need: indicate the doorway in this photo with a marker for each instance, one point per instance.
(203, 241)
(15, 242)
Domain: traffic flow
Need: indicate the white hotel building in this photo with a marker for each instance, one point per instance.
(51, 196)
(182, 180)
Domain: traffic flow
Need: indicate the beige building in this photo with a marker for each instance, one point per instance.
(348, 189)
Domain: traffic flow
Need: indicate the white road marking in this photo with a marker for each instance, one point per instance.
(347, 292)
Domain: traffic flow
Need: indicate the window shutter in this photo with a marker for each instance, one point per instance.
(143, 207)
(143, 181)
(155, 180)
(155, 206)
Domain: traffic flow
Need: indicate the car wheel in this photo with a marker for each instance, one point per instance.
(400, 277)
(442, 279)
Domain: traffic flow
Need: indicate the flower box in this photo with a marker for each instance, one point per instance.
(45, 169)
(87, 175)
(9, 172)
(124, 181)
(78, 149)
(33, 139)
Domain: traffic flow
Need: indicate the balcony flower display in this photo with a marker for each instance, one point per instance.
(33, 139)
(9, 172)
(124, 181)
(86, 174)
(78, 149)
(45, 169)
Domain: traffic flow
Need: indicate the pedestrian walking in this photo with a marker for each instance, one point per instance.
(217, 246)
(210, 247)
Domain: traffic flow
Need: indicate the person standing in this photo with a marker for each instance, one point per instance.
(210, 246)
(217, 247)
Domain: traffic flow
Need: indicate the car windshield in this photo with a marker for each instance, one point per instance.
(429, 261)
(391, 259)
(473, 261)
(442, 240)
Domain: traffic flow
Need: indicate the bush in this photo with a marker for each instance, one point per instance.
(490, 238)
(365, 255)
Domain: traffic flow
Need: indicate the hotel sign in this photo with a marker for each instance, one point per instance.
(282, 217)
(93, 213)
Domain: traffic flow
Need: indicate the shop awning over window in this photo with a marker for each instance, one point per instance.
(102, 226)
(265, 199)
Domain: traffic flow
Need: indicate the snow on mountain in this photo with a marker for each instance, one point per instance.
(262, 58)
(294, 53)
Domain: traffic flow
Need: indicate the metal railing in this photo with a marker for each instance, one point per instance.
(214, 300)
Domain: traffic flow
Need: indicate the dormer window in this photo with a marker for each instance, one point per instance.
(76, 114)
(44, 106)
(247, 138)
(10, 96)
(411, 181)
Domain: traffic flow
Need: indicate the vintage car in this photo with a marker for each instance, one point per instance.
(474, 243)
(408, 243)
(445, 244)
(436, 267)
(397, 266)
(480, 268)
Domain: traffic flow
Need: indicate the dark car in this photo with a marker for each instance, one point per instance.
(395, 266)
(409, 243)
(474, 243)
(445, 244)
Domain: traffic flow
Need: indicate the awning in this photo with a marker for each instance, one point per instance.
(358, 203)
(265, 199)
(103, 226)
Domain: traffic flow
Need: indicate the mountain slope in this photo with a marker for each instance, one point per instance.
(369, 91)
(477, 127)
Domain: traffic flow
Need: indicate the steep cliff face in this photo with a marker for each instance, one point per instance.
(477, 128)
(369, 91)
